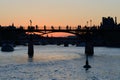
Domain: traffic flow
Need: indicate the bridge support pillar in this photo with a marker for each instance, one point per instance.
(66, 44)
(89, 49)
(30, 47)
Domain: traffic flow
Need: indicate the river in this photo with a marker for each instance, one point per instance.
(52, 62)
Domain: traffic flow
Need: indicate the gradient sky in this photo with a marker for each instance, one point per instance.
(57, 12)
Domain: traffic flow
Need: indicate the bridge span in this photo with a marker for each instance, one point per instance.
(89, 49)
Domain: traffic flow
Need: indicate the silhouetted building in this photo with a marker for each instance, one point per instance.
(108, 23)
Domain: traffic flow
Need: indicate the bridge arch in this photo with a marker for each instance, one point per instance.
(69, 33)
(89, 50)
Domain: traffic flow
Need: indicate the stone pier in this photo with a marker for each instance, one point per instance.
(30, 47)
(89, 48)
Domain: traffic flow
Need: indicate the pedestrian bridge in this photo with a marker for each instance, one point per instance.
(89, 50)
(71, 31)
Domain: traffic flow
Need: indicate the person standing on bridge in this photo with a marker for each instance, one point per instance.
(45, 27)
(67, 27)
(52, 27)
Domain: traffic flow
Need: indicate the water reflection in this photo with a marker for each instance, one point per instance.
(30, 59)
(55, 56)
(42, 54)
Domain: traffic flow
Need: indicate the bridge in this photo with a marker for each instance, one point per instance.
(76, 31)
(86, 34)
(89, 49)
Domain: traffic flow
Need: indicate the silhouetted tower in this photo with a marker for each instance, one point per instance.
(115, 20)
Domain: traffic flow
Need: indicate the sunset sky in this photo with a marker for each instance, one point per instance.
(57, 12)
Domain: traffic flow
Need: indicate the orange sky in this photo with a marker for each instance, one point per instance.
(57, 12)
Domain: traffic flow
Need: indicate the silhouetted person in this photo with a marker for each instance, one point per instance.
(36, 27)
(59, 27)
(52, 27)
(44, 27)
(79, 27)
(67, 27)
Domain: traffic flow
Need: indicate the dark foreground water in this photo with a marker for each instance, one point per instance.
(53, 62)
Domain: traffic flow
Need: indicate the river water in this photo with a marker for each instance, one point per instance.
(52, 62)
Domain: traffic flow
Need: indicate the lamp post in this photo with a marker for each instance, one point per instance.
(90, 23)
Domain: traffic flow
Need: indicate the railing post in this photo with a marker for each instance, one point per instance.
(30, 47)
